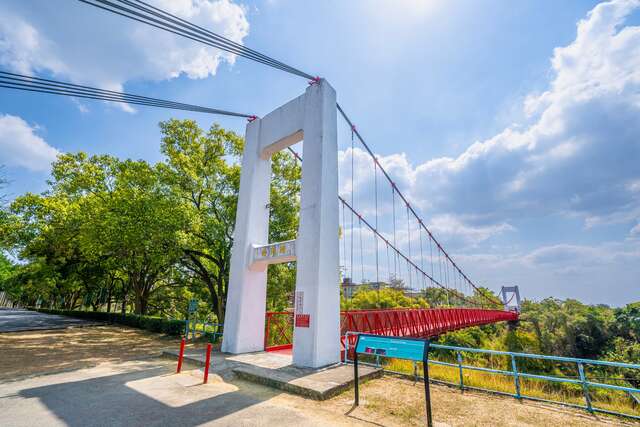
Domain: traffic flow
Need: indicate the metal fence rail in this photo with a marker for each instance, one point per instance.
(191, 327)
(581, 379)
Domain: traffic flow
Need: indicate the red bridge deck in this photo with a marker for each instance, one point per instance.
(419, 323)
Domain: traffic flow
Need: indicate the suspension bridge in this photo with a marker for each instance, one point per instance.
(357, 227)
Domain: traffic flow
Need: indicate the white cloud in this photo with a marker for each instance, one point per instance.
(456, 230)
(578, 156)
(20, 146)
(603, 273)
(23, 49)
(81, 106)
(584, 144)
(105, 50)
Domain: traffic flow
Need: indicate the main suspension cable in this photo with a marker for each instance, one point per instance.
(480, 291)
(155, 17)
(388, 243)
(36, 84)
(145, 13)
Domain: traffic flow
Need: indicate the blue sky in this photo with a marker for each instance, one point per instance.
(513, 126)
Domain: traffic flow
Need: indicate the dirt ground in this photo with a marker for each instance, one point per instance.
(38, 352)
(87, 353)
(399, 402)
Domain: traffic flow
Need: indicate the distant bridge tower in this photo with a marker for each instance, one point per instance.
(511, 298)
(316, 338)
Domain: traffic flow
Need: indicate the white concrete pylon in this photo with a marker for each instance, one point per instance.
(316, 340)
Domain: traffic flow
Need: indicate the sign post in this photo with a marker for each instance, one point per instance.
(193, 307)
(415, 349)
(355, 377)
(425, 374)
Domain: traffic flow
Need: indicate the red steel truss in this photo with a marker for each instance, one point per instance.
(404, 322)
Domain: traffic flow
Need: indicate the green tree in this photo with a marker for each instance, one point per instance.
(569, 328)
(138, 222)
(626, 351)
(203, 170)
(437, 296)
(366, 298)
(206, 186)
(6, 267)
(627, 322)
(101, 221)
(6, 271)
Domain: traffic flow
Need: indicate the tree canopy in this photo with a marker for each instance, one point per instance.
(146, 236)
(121, 234)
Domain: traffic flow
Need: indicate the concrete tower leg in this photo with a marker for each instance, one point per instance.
(317, 246)
(316, 340)
(247, 294)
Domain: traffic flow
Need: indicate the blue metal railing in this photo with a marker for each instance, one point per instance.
(191, 327)
(517, 374)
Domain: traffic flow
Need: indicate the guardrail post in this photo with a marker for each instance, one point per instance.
(516, 377)
(346, 347)
(356, 378)
(180, 356)
(459, 357)
(585, 387)
(207, 363)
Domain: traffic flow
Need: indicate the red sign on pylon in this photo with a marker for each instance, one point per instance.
(302, 320)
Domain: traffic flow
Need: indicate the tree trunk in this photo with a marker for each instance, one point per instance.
(143, 289)
(109, 298)
(124, 302)
(140, 303)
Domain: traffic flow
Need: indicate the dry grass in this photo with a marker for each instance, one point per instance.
(399, 402)
(563, 393)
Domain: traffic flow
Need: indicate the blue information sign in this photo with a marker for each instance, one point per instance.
(399, 348)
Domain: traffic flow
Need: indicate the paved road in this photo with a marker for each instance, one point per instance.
(12, 320)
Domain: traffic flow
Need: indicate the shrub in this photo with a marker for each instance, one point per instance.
(173, 327)
(149, 323)
(153, 324)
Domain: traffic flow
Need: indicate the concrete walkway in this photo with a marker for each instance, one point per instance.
(276, 370)
(148, 393)
(16, 320)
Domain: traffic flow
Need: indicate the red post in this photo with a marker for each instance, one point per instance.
(206, 366)
(180, 356)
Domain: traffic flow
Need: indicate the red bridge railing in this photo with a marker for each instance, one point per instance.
(402, 322)
(278, 330)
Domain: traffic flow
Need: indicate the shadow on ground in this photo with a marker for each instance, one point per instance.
(40, 352)
(146, 397)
